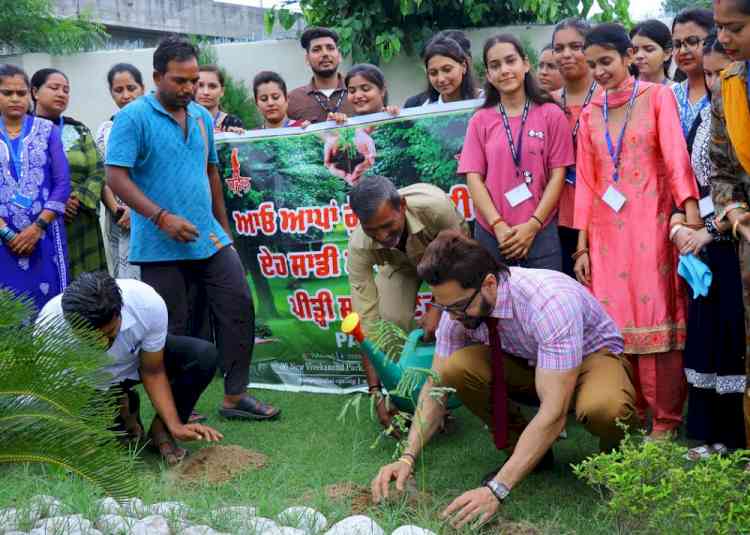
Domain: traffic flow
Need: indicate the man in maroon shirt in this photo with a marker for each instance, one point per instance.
(326, 92)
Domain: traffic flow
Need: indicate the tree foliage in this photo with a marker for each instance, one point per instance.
(377, 32)
(32, 26)
(672, 7)
(52, 410)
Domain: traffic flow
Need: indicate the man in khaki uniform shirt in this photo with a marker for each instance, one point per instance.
(395, 227)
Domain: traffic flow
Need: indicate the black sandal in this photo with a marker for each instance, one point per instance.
(250, 408)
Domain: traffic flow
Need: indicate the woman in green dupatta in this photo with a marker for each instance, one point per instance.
(50, 90)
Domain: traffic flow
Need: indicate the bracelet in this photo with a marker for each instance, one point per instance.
(7, 234)
(674, 230)
(41, 223)
(407, 454)
(155, 218)
(496, 222)
(535, 218)
(406, 461)
(578, 254)
(732, 206)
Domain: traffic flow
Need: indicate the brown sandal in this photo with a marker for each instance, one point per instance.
(164, 445)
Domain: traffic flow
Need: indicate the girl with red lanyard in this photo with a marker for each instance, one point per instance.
(517, 147)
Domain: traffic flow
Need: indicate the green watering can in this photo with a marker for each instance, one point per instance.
(416, 354)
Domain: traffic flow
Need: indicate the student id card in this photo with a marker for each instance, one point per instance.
(614, 198)
(517, 195)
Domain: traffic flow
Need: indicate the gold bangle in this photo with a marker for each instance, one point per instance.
(406, 461)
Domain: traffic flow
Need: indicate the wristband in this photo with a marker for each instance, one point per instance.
(410, 455)
(7, 234)
(535, 218)
(155, 218)
(41, 223)
(578, 254)
(496, 222)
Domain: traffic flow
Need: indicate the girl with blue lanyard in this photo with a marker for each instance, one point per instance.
(631, 171)
(34, 186)
(689, 30)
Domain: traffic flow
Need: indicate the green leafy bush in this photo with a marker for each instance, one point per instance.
(52, 410)
(649, 487)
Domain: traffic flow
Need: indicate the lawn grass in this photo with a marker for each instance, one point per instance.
(309, 449)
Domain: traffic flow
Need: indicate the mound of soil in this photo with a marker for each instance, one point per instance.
(218, 464)
(360, 496)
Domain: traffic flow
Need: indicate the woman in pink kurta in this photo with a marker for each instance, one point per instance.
(624, 254)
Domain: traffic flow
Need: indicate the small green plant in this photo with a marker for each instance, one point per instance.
(650, 487)
(388, 338)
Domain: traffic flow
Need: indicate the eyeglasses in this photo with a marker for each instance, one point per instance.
(691, 43)
(457, 309)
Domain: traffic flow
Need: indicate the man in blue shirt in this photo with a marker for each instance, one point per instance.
(162, 162)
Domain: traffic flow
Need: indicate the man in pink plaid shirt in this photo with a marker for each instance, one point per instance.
(556, 343)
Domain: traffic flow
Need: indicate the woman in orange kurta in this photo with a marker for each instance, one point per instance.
(626, 189)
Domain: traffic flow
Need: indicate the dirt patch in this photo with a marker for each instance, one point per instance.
(516, 528)
(360, 497)
(218, 464)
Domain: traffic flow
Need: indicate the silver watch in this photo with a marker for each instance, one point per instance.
(498, 489)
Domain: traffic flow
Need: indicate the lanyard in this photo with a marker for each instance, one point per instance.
(615, 153)
(324, 102)
(14, 149)
(586, 102)
(685, 101)
(515, 150)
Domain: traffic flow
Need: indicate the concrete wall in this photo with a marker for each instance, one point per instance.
(91, 102)
(200, 17)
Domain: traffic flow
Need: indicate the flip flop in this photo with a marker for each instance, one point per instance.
(196, 418)
(250, 408)
(699, 453)
(172, 454)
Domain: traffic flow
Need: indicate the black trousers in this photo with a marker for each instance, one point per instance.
(190, 364)
(228, 297)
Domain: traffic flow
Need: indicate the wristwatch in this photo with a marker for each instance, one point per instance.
(41, 223)
(498, 489)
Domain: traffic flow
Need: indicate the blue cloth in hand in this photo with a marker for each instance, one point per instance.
(697, 274)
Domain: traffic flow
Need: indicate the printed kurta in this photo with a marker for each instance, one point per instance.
(730, 182)
(85, 243)
(44, 183)
(633, 263)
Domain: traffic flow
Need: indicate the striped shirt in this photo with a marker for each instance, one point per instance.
(543, 316)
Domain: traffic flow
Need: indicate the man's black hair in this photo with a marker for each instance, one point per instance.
(173, 48)
(94, 298)
(317, 32)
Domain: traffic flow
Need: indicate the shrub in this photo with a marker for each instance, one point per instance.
(649, 487)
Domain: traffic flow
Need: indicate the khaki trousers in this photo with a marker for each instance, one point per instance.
(604, 391)
(397, 295)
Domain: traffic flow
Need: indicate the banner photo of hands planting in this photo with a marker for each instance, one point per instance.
(286, 198)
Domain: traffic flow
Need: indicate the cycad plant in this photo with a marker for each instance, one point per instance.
(51, 410)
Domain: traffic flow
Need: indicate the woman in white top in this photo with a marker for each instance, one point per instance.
(449, 74)
(125, 85)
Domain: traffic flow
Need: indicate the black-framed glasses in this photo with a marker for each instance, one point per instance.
(692, 42)
(458, 309)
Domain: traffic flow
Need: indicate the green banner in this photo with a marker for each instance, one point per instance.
(286, 197)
